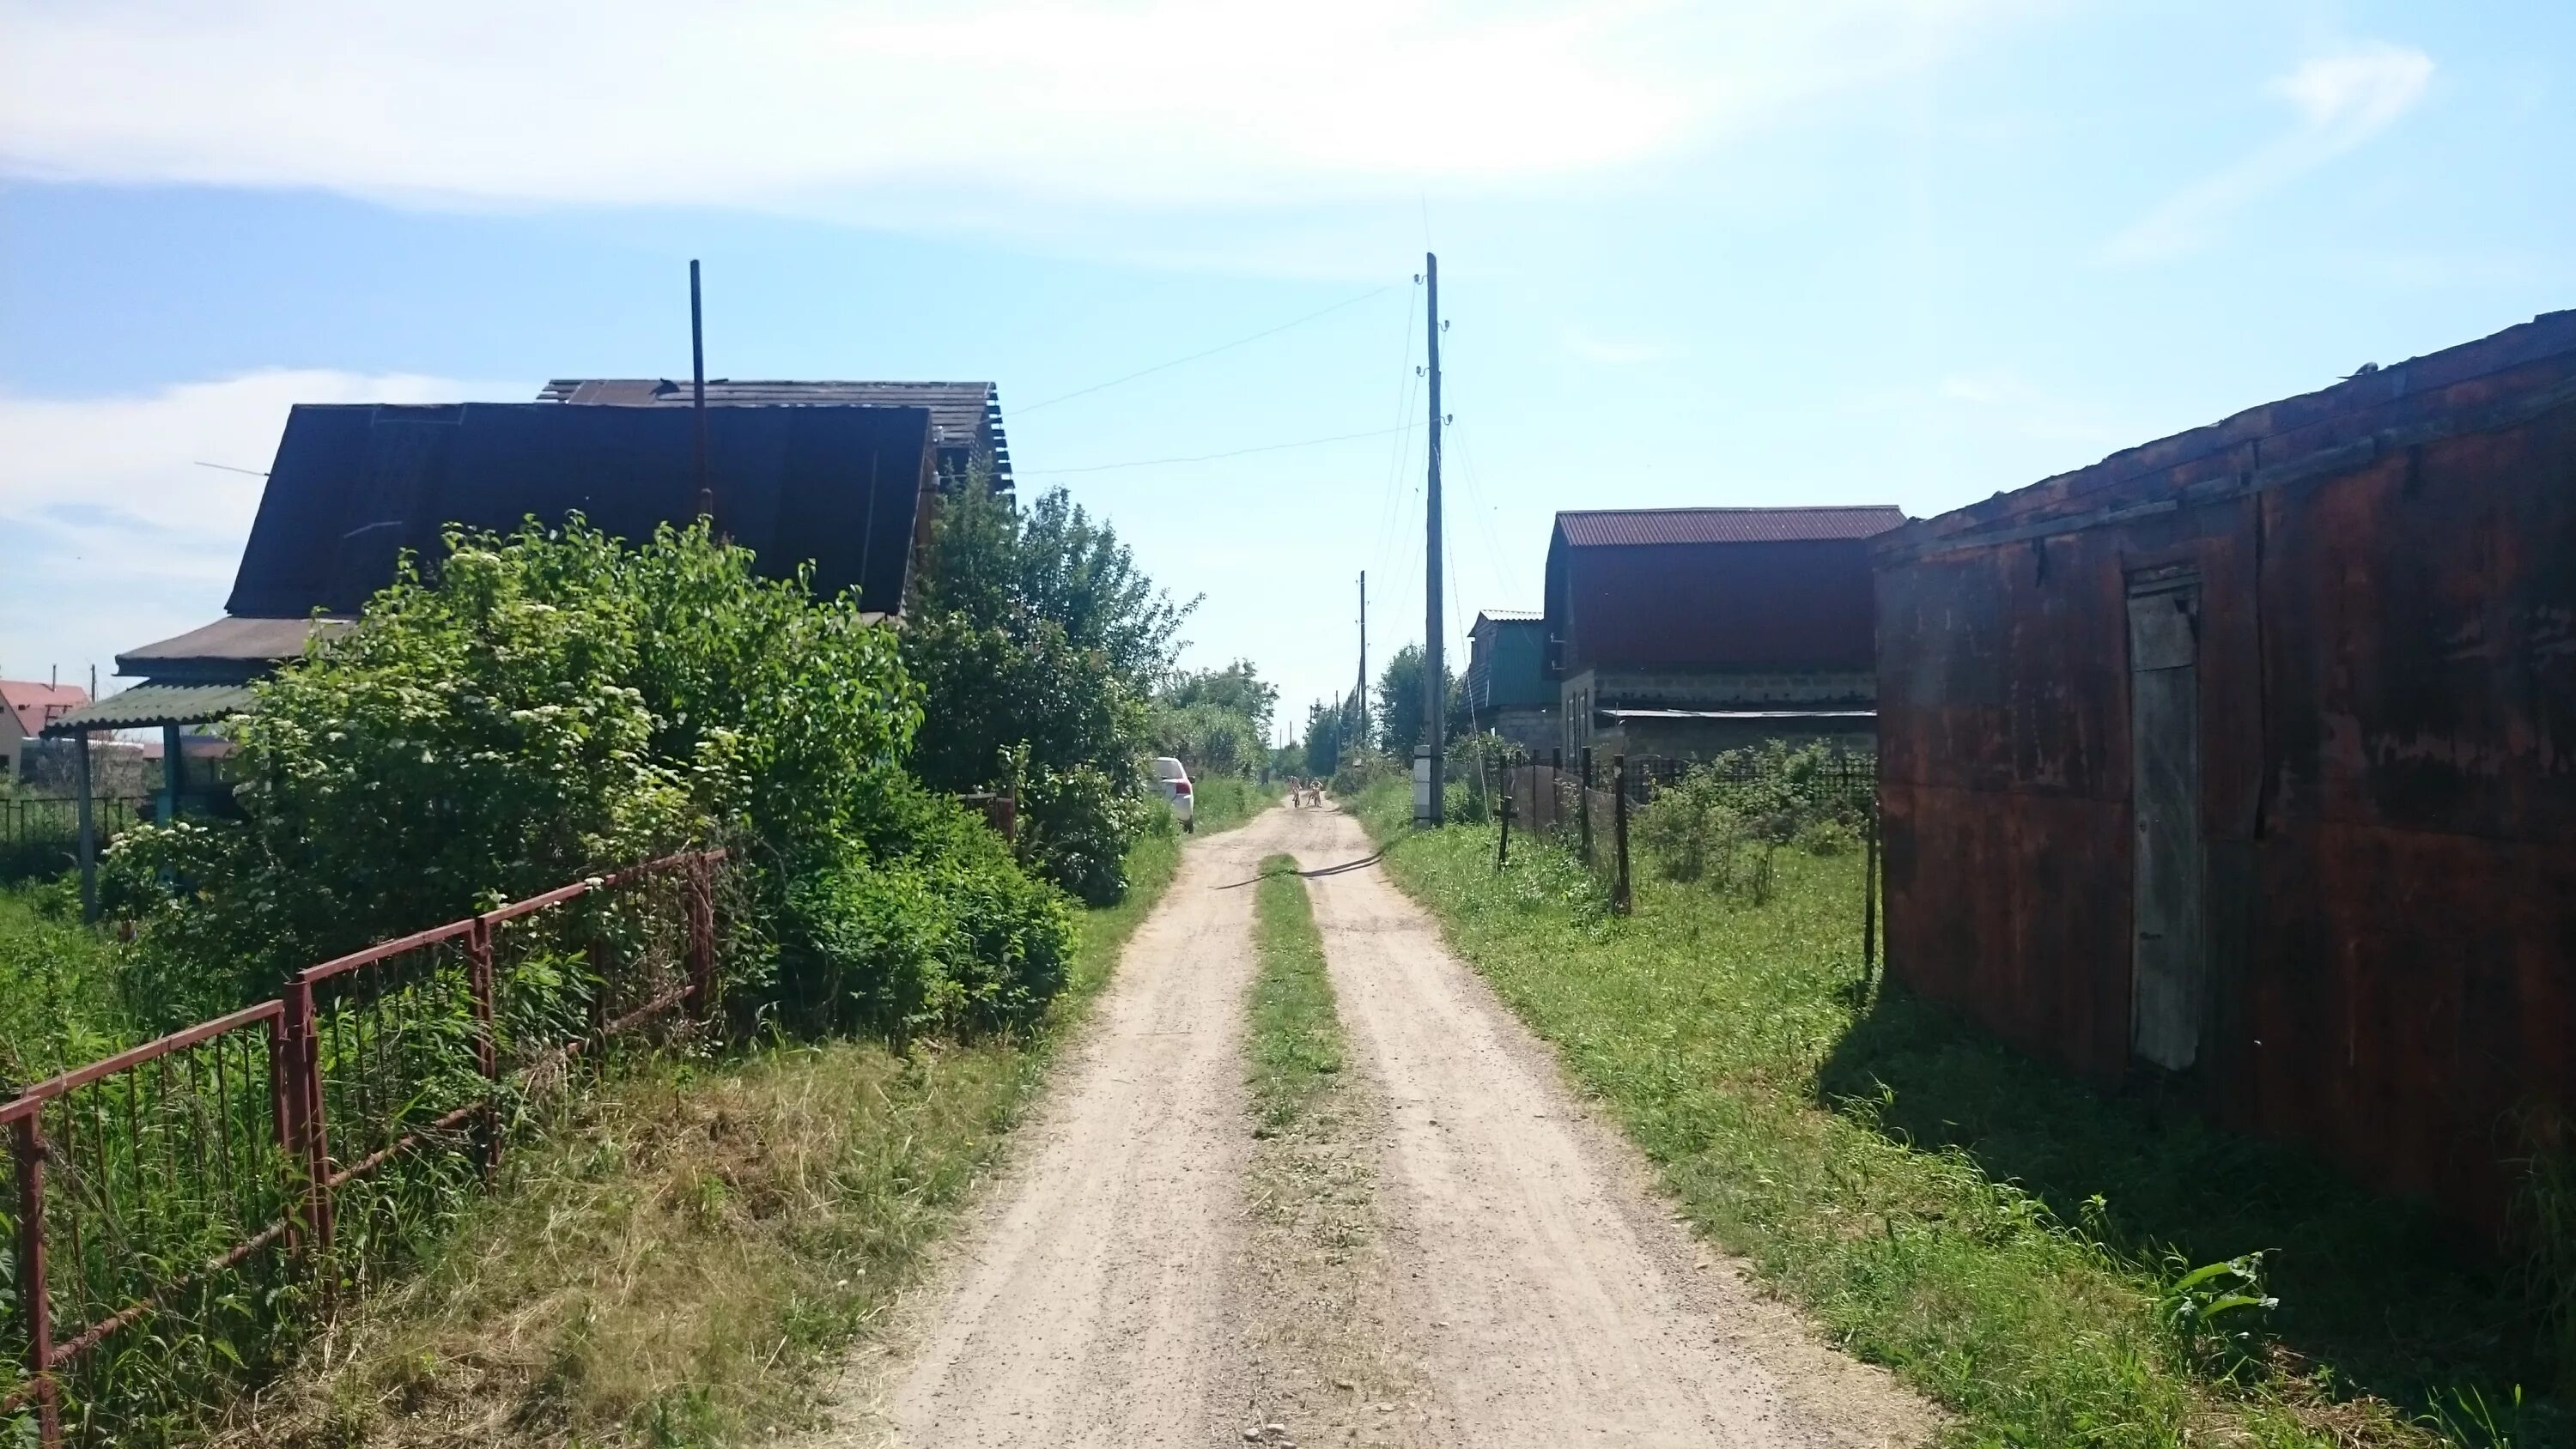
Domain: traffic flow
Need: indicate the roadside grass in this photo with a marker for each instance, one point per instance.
(682, 1257)
(2015, 1246)
(1296, 1046)
(1222, 802)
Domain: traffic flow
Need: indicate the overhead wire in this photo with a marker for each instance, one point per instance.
(1406, 384)
(1210, 457)
(1195, 356)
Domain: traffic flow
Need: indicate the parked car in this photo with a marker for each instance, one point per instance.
(1173, 779)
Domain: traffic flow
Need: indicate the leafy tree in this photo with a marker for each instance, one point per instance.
(1036, 641)
(1236, 689)
(1399, 704)
(1216, 720)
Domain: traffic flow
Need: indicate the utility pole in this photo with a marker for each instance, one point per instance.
(698, 395)
(1427, 771)
(1363, 694)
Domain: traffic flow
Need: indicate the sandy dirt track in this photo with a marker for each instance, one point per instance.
(1540, 1294)
(1552, 1299)
(1089, 1302)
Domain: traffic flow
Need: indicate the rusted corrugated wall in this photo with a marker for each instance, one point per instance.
(2386, 677)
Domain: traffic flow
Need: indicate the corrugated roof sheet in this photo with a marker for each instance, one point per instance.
(354, 485)
(154, 703)
(225, 651)
(1510, 616)
(1629, 526)
(963, 414)
(34, 704)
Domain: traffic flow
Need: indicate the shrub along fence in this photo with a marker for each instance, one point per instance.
(1714, 819)
(183, 1202)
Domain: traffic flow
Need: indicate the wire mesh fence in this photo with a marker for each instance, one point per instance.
(186, 1200)
(1706, 805)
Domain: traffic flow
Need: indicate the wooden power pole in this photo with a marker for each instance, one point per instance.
(1427, 808)
(1362, 704)
(698, 396)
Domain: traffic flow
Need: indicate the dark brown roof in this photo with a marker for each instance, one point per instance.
(962, 414)
(226, 650)
(354, 485)
(1594, 528)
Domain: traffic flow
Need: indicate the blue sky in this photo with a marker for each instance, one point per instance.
(1825, 252)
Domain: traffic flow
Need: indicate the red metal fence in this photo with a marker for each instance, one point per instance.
(167, 1173)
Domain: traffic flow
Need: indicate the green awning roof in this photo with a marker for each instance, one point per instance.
(154, 703)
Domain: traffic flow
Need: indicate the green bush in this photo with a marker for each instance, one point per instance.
(1076, 827)
(1036, 641)
(926, 926)
(1721, 822)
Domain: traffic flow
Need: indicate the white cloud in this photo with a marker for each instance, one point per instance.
(112, 536)
(971, 109)
(2342, 100)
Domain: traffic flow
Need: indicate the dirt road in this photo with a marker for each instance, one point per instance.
(1540, 1295)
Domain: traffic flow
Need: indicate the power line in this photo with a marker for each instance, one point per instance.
(1395, 455)
(229, 468)
(1195, 356)
(1212, 457)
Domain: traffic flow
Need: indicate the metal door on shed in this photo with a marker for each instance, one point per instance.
(2167, 954)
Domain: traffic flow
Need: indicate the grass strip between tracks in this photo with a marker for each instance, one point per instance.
(1296, 1047)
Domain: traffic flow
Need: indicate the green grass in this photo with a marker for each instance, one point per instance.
(1223, 802)
(1295, 1046)
(682, 1257)
(59, 1001)
(1993, 1232)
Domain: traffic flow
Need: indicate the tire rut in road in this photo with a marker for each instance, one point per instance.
(1546, 1290)
(1090, 1300)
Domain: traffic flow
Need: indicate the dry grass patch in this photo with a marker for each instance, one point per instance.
(680, 1258)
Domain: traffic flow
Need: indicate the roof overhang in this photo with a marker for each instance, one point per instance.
(154, 704)
(227, 651)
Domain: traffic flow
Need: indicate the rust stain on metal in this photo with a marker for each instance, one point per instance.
(2386, 736)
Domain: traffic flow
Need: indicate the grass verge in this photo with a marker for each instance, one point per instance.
(1222, 802)
(2014, 1246)
(678, 1260)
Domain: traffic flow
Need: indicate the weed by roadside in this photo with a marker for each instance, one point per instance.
(1222, 802)
(677, 1260)
(2057, 1267)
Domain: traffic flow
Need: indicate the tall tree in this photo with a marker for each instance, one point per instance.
(1399, 704)
(1037, 643)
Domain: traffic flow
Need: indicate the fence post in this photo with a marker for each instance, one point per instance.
(1503, 848)
(282, 1116)
(1586, 798)
(310, 1153)
(1869, 891)
(1619, 899)
(27, 1148)
(702, 935)
(487, 1052)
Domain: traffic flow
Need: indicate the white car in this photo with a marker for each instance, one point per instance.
(1172, 778)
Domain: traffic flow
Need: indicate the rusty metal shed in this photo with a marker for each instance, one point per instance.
(2245, 762)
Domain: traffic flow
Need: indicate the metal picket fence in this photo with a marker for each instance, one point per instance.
(187, 1167)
